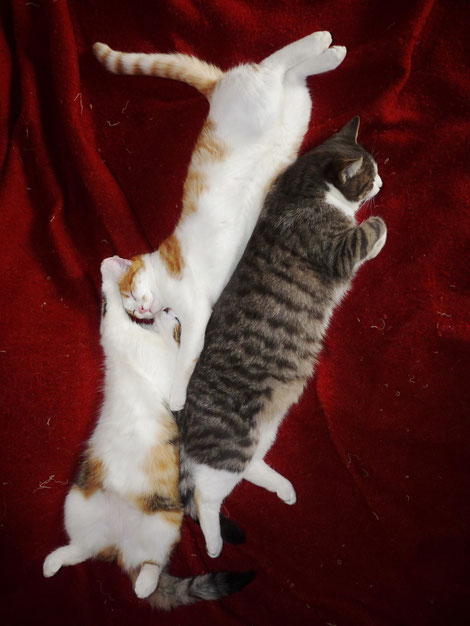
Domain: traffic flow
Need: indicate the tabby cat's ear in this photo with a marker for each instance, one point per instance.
(351, 130)
(349, 168)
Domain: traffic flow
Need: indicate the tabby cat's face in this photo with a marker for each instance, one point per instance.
(349, 167)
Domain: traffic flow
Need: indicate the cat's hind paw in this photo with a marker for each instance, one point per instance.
(214, 547)
(321, 40)
(52, 564)
(331, 58)
(147, 580)
(286, 492)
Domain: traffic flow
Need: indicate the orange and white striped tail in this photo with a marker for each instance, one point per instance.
(199, 74)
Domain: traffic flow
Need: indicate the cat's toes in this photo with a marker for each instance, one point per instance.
(321, 40)
(214, 547)
(332, 57)
(52, 565)
(286, 493)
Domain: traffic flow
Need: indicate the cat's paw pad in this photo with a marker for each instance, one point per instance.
(52, 565)
(321, 40)
(214, 547)
(286, 493)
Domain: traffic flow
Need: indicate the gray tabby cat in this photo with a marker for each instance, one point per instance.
(266, 330)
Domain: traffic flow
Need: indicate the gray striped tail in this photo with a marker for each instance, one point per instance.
(172, 592)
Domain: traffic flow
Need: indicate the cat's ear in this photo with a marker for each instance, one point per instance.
(351, 130)
(349, 168)
(115, 265)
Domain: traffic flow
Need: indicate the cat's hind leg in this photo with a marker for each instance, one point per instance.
(212, 486)
(147, 541)
(66, 555)
(297, 51)
(259, 473)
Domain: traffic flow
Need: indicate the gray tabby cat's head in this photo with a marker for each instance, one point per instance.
(348, 166)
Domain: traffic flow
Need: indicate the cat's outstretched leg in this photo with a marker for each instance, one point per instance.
(212, 486)
(259, 473)
(66, 555)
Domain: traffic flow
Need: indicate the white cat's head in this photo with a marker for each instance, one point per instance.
(138, 289)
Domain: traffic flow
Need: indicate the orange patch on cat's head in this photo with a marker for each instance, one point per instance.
(170, 254)
(125, 282)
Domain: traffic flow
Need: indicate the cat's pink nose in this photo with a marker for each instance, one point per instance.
(142, 309)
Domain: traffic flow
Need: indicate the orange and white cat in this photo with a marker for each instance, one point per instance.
(258, 116)
(124, 504)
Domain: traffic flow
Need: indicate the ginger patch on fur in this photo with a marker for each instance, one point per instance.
(162, 469)
(125, 282)
(170, 254)
(208, 148)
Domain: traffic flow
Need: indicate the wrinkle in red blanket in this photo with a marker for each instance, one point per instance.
(93, 164)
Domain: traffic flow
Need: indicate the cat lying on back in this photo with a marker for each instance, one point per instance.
(124, 504)
(258, 116)
(266, 330)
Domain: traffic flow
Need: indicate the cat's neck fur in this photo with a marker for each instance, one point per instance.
(335, 198)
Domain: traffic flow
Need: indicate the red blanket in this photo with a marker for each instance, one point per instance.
(93, 164)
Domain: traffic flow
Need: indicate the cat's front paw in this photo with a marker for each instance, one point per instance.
(177, 401)
(380, 228)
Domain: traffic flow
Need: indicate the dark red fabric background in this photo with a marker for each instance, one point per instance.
(93, 164)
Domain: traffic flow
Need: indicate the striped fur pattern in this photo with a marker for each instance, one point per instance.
(124, 504)
(201, 75)
(266, 331)
(257, 119)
